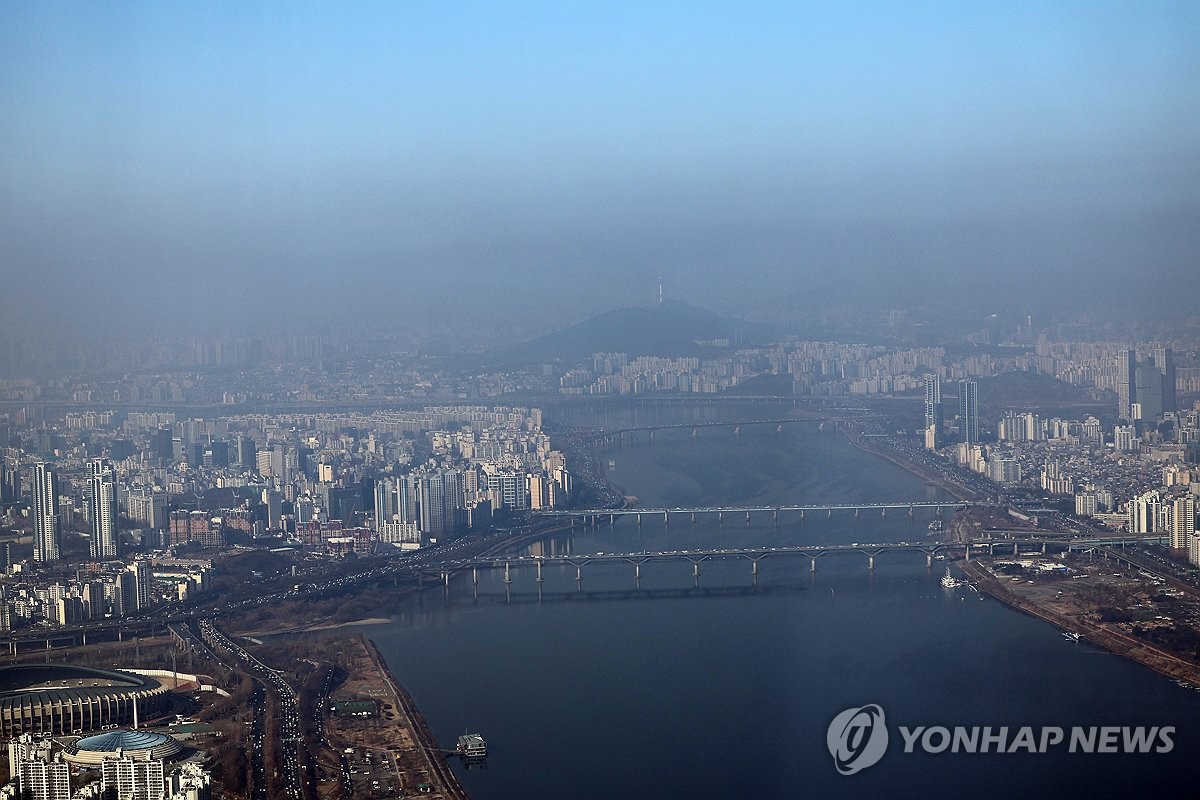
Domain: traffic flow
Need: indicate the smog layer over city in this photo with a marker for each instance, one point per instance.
(552, 400)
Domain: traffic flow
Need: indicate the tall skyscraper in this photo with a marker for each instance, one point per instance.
(46, 536)
(246, 455)
(1164, 360)
(933, 407)
(142, 578)
(10, 483)
(102, 509)
(1149, 387)
(1126, 383)
(968, 411)
(385, 502)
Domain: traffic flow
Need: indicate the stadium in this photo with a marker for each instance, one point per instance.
(59, 699)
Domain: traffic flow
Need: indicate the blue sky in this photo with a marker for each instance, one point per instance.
(565, 154)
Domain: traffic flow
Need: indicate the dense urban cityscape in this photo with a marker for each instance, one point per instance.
(540, 400)
(127, 498)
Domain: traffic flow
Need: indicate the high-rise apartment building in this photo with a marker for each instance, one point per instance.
(126, 778)
(44, 780)
(1183, 522)
(439, 501)
(46, 535)
(141, 584)
(968, 411)
(933, 411)
(1126, 383)
(102, 509)
(1144, 512)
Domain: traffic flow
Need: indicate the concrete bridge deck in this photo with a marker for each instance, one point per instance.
(932, 549)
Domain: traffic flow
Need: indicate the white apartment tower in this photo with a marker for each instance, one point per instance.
(133, 779)
(46, 536)
(102, 510)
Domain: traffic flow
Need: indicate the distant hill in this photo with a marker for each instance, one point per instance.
(672, 329)
(1027, 391)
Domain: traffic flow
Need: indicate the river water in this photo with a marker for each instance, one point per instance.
(724, 686)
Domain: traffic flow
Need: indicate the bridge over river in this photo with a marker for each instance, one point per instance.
(514, 566)
(593, 516)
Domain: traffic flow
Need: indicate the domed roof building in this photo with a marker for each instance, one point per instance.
(90, 751)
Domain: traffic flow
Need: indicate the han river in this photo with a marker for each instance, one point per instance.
(608, 688)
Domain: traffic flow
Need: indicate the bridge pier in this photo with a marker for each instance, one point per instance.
(747, 519)
(883, 512)
(938, 512)
(754, 567)
(830, 513)
(968, 551)
(539, 571)
(639, 519)
(928, 560)
(856, 513)
(612, 520)
(1015, 548)
(695, 569)
(666, 518)
(814, 565)
(870, 562)
(910, 512)
(693, 517)
(1043, 548)
(475, 575)
(775, 515)
(637, 571)
(720, 517)
(445, 578)
(507, 576)
(802, 515)
(578, 573)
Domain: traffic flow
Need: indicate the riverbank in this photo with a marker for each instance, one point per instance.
(1069, 605)
(898, 458)
(396, 733)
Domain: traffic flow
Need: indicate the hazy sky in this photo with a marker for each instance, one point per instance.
(179, 161)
